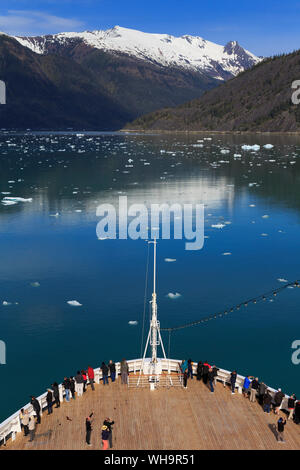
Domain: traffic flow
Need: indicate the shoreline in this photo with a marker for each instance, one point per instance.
(269, 133)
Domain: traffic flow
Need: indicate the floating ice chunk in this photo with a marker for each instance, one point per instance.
(17, 199)
(172, 296)
(35, 284)
(227, 254)
(237, 155)
(170, 260)
(264, 235)
(268, 146)
(282, 280)
(74, 303)
(218, 226)
(132, 322)
(8, 203)
(252, 205)
(251, 147)
(54, 215)
(225, 151)
(5, 303)
(265, 216)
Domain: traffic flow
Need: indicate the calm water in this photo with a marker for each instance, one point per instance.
(70, 176)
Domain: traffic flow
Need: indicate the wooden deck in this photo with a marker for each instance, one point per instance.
(165, 419)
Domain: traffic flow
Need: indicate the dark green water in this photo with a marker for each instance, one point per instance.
(70, 176)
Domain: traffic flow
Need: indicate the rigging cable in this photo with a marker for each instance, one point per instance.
(145, 301)
(254, 300)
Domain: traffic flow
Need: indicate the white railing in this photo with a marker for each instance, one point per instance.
(12, 425)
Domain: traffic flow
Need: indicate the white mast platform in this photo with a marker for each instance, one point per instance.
(152, 367)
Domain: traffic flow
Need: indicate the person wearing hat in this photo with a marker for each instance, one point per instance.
(105, 437)
(108, 422)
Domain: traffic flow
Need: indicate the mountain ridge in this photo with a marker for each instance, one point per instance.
(257, 100)
(186, 52)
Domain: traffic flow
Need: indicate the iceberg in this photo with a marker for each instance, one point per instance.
(251, 147)
(268, 146)
(132, 322)
(74, 303)
(173, 296)
(170, 260)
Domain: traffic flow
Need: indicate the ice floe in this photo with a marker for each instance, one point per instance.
(132, 322)
(172, 296)
(74, 303)
(170, 260)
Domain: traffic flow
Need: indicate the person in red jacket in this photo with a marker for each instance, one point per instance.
(91, 376)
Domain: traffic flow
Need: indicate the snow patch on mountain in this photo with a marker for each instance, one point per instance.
(187, 52)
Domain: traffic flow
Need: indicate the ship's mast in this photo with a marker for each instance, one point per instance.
(154, 323)
(154, 336)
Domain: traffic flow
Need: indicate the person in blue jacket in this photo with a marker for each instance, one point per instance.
(246, 386)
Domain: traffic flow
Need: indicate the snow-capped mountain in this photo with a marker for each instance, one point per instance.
(191, 53)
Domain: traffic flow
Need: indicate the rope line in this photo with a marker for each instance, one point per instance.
(254, 300)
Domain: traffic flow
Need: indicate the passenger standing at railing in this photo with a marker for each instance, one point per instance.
(112, 369)
(49, 399)
(211, 379)
(206, 368)
(79, 383)
(84, 376)
(215, 374)
(24, 417)
(124, 372)
(199, 370)
(246, 386)
(261, 392)
(37, 408)
(278, 397)
(55, 389)
(104, 369)
(267, 402)
(233, 377)
(72, 387)
(31, 428)
(190, 368)
(291, 405)
(254, 389)
(91, 376)
(66, 384)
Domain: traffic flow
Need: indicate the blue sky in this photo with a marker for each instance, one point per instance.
(264, 27)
